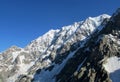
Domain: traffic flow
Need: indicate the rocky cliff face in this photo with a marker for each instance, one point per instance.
(75, 53)
(87, 65)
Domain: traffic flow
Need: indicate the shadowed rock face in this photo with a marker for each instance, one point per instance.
(100, 46)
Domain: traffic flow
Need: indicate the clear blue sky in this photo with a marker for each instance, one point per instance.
(24, 20)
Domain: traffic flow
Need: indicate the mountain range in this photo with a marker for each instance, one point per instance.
(86, 51)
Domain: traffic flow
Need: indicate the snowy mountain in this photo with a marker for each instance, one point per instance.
(82, 52)
(98, 59)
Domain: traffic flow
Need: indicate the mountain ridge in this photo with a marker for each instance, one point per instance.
(47, 51)
(101, 46)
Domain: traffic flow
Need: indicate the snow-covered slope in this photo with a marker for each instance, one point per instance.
(57, 38)
(51, 50)
(113, 67)
(66, 37)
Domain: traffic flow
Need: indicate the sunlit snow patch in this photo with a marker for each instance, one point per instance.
(113, 68)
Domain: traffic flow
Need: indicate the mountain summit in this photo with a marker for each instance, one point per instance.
(82, 52)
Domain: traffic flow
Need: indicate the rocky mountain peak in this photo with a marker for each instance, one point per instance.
(14, 47)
